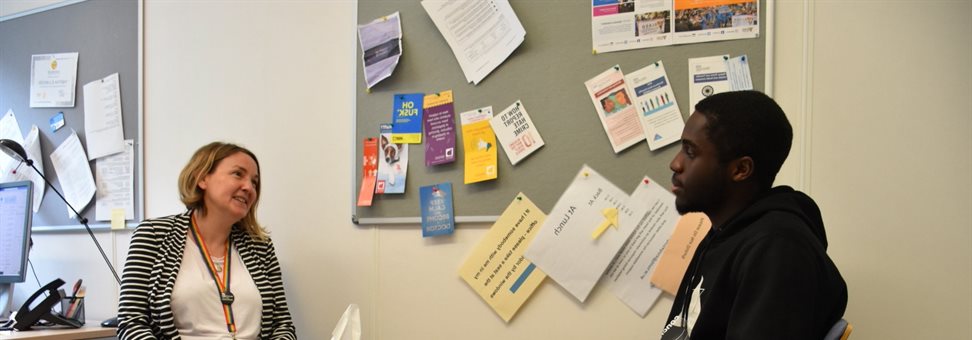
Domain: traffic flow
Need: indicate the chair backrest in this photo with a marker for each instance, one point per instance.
(840, 331)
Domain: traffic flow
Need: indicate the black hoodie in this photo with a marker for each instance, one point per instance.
(765, 275)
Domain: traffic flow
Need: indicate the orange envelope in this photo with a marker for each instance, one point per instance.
(689, 231)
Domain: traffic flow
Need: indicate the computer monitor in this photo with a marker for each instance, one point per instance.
(15, 215)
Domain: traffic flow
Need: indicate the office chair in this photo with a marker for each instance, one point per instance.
(840, 331)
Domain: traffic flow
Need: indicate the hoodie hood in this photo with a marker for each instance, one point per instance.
(779, 199)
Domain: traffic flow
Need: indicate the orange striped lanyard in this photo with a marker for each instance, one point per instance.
(222, 286)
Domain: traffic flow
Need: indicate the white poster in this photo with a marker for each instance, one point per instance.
(114, 177)
(707, 76)
(618, 25)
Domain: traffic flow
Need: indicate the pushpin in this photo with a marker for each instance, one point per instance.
(610, 219)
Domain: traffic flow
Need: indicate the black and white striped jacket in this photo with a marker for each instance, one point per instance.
(154, 258)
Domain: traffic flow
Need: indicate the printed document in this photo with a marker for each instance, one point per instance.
(630, 272)
(103, 130)
(10, 129)
(714, 20)
(612, 102)
(661, 118)
(628, 24)
(115, 179)
(707, 76)
(565, 248)
(52, 79)
(381, 46)
(496, 268)
(72, 169)
(478, 146)
(481, 33)
(516, 132)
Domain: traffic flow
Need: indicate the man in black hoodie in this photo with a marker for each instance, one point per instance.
(762, 271)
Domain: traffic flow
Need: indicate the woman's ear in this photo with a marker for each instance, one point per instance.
(201, 183)
(741, 169)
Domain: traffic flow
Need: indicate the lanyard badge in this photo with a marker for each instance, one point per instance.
(222, 286)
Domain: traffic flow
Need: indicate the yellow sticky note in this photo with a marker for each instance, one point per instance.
(118, 218)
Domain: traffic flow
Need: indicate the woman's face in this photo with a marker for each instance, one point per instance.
(231, 188)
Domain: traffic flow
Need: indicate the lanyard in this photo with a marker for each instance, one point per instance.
(223, 287)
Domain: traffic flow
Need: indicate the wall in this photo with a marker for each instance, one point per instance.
(892, 179)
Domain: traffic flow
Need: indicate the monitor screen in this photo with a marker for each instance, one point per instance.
(15, 214)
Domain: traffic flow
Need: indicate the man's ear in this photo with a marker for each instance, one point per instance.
(741, 169)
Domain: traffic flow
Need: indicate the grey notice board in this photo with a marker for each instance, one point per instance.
(547, 73)
(105, 35)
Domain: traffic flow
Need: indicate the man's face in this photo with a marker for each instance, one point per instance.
(699, 180)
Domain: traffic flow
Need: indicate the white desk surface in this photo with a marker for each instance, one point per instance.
(92, 330)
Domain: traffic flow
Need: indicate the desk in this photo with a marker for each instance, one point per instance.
(92, 330)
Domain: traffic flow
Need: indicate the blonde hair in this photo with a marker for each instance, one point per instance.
(204, 162)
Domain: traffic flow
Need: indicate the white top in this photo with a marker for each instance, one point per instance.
(196, 307)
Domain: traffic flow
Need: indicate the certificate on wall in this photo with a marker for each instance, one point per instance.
(52, 79)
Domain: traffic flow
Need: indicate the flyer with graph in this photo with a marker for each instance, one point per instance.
(661, 118)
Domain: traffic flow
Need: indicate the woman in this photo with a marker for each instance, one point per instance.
(210, 272)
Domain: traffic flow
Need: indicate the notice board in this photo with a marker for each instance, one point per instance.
(547, 73)
(105, 34)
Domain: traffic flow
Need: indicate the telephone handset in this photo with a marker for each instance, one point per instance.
(27, 317)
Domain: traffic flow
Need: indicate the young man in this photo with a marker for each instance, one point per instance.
(762, 272)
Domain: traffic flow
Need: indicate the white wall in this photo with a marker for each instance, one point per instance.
(878, 93)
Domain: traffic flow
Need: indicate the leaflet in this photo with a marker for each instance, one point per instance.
(369, 171)
(392, 164)
(739, 75)
(115, 180)
(437, 215)
(619, 118)
(440, 128)
(481, 34)
(688, 233)
(707, 76)
(661, 118)
(381, 47)
(479, 146)
(407, 118)
(516, 132)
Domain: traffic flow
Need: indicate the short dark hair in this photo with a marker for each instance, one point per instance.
(748, 123)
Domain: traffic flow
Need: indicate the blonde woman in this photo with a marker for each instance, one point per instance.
(210, 272)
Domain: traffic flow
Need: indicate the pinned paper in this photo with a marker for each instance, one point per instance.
(496, 268)
(610, 220)
(369, 171)
(479, 146)
(689, 231)
(118, 219)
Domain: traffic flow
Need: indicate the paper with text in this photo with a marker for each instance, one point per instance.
(715, 20)
(73, 172)
(10, 129)
(114, 177)
(103, 130)
(629, 24)
(481, 33)
(478, 146)
(707, 76)
(369, 171)
(496, 268)
(437, 214)
(630, 272)
(381, 47)
(564, 249)
(689, 231)
(612, 102)
(52, 79)
(739, 76)
(440, 128)
(516, 132)
(661, 118)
